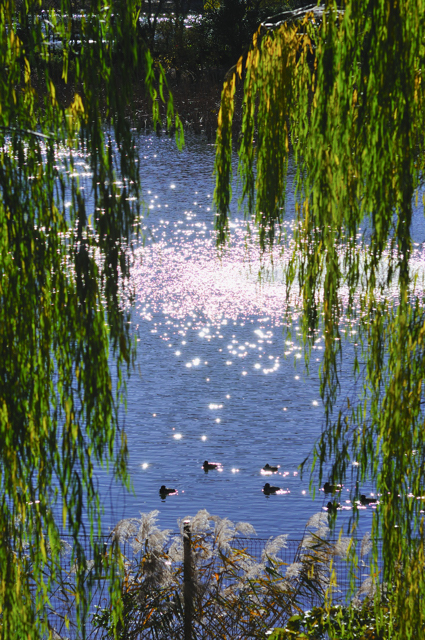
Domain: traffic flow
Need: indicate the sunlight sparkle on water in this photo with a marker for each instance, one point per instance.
(184, 272)
(181, 270)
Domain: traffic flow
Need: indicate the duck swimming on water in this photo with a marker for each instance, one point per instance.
(331, 488)
(165, 491)
(268, 489)
(365, 501)
(332, 507)
(210, 466)
(271, 468)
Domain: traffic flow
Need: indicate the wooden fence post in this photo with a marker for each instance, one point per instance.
(187, 581)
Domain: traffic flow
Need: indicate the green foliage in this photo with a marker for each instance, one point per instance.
(350, 622)
(345, 89)
(63, 273)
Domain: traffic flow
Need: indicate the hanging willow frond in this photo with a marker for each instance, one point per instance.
(65, 256)
(341, 90)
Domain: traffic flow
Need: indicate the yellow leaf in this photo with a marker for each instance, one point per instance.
(239, 66)
(27, 71)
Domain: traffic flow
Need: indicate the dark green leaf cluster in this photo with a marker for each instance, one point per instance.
(69, 211)
(340, 622)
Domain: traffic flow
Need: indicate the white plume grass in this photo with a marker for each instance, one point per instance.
(293, 570)
(342, 547)
(366, 545)
(227, 580)
(273, 546)
(318, 520)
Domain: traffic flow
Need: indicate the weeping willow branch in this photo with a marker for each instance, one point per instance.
(65, 256)
(343, 90)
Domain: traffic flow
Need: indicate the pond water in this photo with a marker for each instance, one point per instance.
(216, 378)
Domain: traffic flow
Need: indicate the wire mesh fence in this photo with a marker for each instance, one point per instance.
(62, 611)
(344, 579)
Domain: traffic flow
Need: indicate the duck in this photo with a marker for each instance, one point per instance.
(365, 501)
(269, 467)
(210, 466)
(331, 488)
(165, 491)
(268, 489)
(332, 507)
